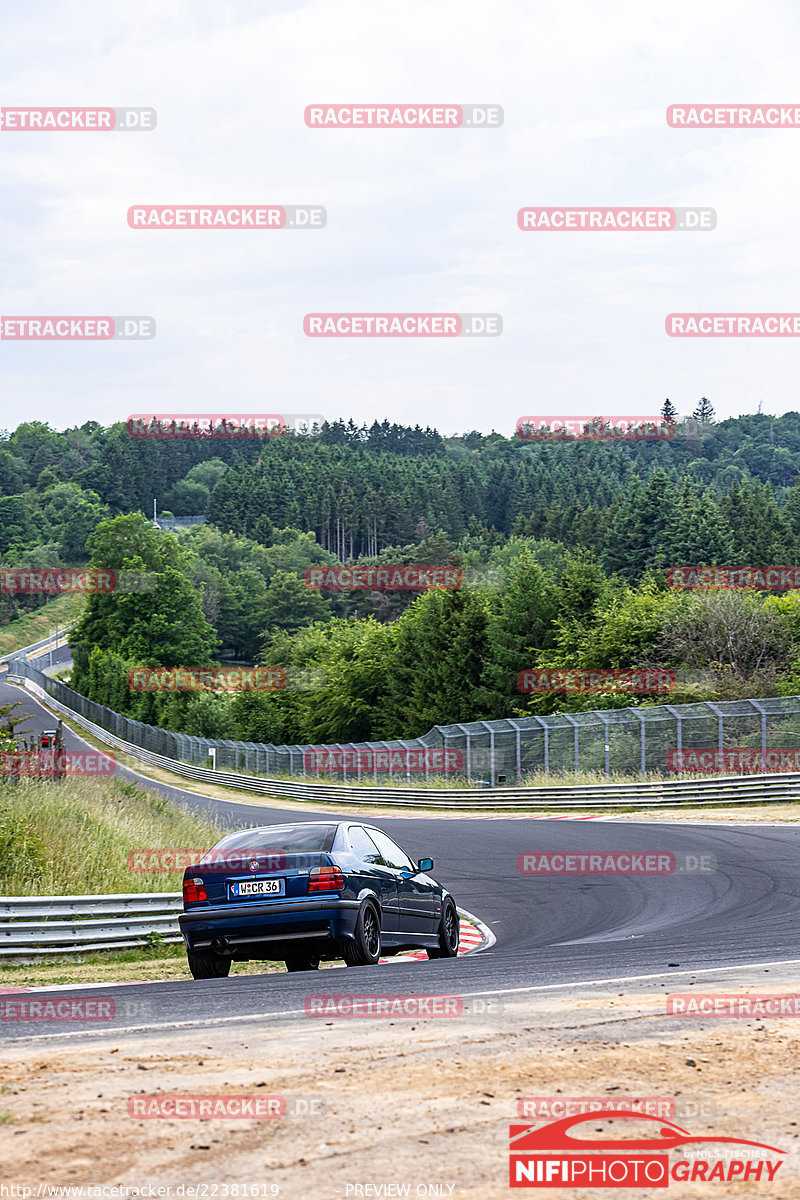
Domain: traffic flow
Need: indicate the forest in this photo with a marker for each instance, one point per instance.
(564, 546)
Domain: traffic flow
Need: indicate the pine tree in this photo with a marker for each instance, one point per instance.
(704, 412)
(790, 523)
(669, 412)
(518, 629)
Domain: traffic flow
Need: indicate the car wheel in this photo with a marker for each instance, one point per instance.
(448, 933)
(364, 949)
(204, 964)
(300, 962)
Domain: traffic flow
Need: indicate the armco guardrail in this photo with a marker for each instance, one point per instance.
(79, 924)
(41, 925)
(741, 789)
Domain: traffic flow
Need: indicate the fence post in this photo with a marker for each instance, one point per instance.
(546, 744)
(671, 709)
(515, 726)
(575, 727)
(606, 736)
(469, 750)
(760, 708)
(720, 745)
(641, 723)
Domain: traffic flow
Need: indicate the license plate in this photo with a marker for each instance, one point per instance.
(256, 887)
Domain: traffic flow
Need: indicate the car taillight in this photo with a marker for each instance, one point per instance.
(194, 889)
(325, 879)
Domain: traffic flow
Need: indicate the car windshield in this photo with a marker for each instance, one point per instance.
(291, 839)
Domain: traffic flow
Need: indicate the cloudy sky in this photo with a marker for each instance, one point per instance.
(418, 221)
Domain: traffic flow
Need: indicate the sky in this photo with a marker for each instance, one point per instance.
(417, 220)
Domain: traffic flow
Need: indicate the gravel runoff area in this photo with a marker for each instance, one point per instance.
(411, 1104)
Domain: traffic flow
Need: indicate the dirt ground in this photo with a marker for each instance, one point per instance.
(419, 1105)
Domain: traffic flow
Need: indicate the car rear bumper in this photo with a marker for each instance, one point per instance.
(246, 926)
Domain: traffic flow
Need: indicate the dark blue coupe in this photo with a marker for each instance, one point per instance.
(312, 891)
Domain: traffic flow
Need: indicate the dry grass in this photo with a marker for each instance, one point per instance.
(115, 966)
(37, 625)
(74, 837)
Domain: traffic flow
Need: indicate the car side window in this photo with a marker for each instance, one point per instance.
(393, 856)
(363, 846)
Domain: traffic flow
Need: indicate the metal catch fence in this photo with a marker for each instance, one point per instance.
(635, 742)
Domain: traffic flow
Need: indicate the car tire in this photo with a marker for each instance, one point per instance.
(448, 932)
(204, 964)
(302, 962)
(364, 949)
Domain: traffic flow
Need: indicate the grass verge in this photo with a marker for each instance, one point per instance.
(36, 625)
(74, 838)
(115, 966)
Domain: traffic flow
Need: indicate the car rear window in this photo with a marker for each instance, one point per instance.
(292, 839)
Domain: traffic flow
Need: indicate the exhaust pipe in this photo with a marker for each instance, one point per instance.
(220, 945)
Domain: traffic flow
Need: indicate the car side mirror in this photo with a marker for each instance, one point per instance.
(425, 864)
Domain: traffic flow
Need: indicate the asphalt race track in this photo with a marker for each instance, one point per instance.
(549, 930)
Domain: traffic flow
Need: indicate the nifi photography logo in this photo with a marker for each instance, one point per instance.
(568, 1153)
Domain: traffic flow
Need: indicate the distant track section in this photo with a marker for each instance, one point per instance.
(736, 790)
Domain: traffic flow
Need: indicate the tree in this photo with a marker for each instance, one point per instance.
(161, 625)
(520, 627)
(352, 669)
(704, 411)
(436, 675)
(71, 514)
(732, 631)
(289, 604)
(669, 412)
(16, 527)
